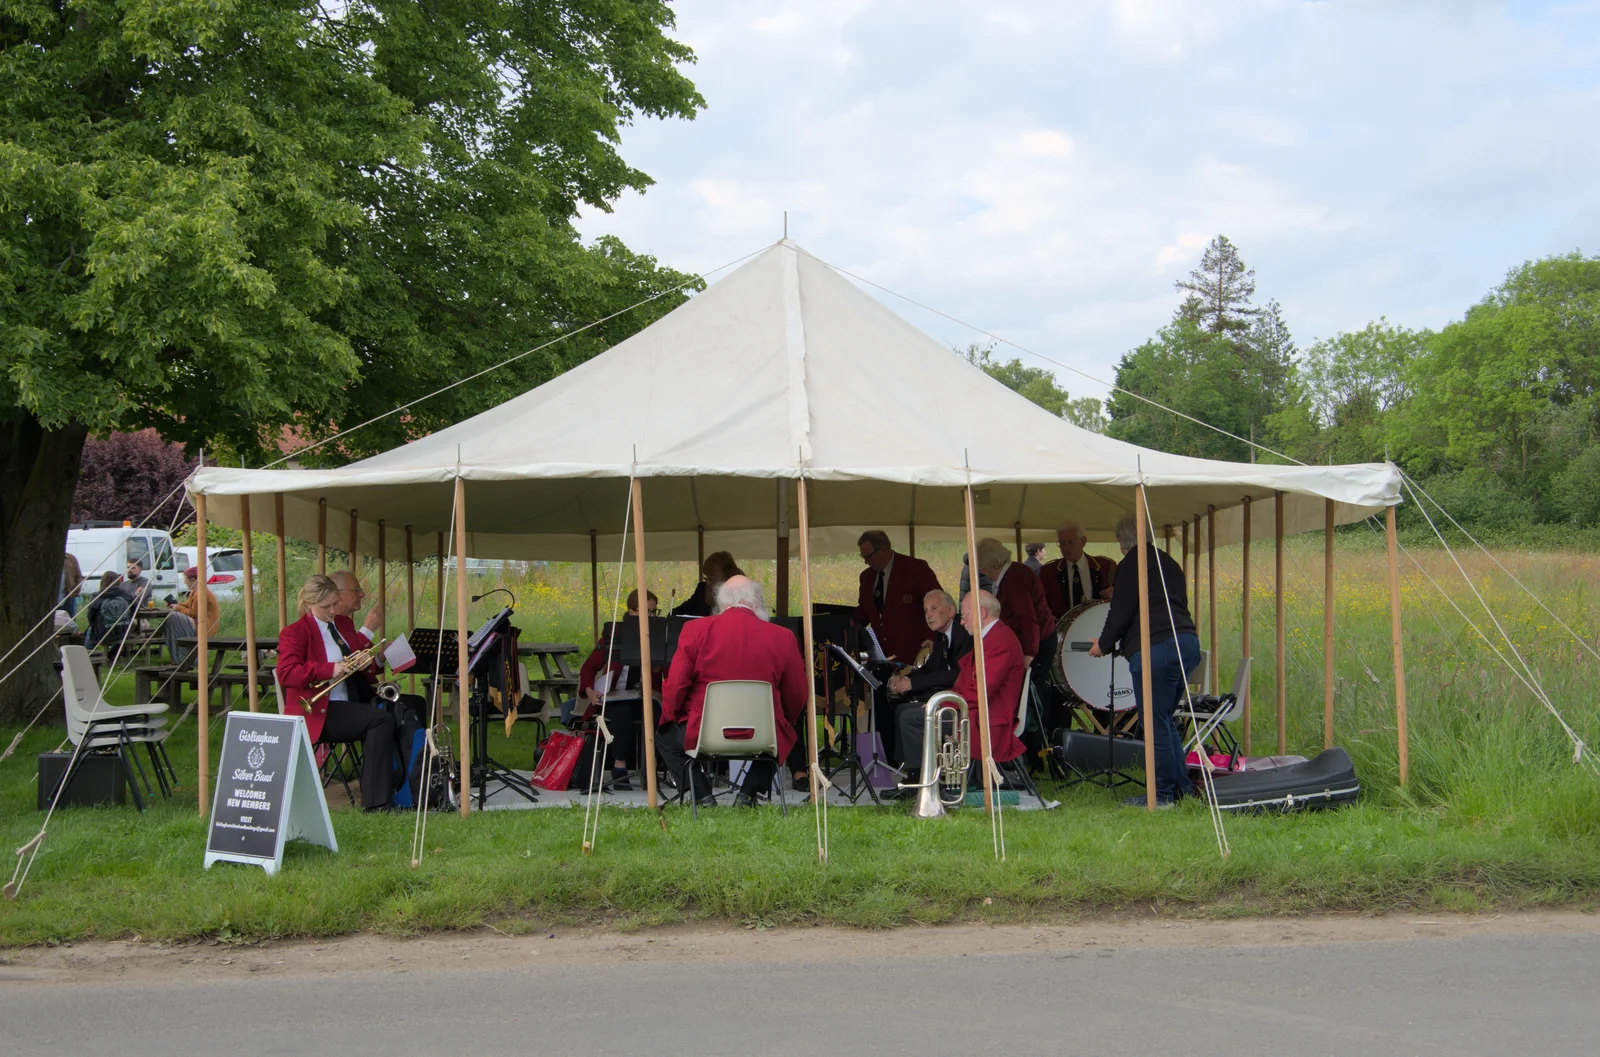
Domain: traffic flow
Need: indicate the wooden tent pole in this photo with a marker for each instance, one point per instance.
(202, 663)
(1143, 531)
(1197, 564)
(977, 656)
(438, 590)
(1166, 531)
(249, 604)
(462, 707)
(1399, 651)
(1327, 625)
(805, 623)
(383, 585)
(1278, 611)
(911, 539)
(700, 555)
(594, 582)
(355, 559)
(1020, 556)
(283, 561)
(322, 536)
(648, 763)
(1244, 623)
(1211, 595)
(1185, 528)
(782, 549)
(411, 601)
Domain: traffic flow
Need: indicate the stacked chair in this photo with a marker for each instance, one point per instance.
(97, 728)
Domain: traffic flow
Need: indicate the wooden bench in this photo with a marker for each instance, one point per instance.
(165, 683)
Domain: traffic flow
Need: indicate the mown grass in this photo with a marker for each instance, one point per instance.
(1495, 814)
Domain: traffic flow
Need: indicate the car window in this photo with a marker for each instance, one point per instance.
(164, 554)
(228, 562)
(139, 550)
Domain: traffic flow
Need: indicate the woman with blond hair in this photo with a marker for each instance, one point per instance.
(312, 652)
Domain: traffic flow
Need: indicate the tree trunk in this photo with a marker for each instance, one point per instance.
(38, 473)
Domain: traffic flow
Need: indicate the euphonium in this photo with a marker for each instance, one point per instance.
(945, 757)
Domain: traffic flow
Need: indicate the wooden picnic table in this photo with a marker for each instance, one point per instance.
(221, 646)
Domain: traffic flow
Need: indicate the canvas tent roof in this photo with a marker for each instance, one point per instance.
(782, 368)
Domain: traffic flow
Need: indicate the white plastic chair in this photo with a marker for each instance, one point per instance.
(737, 723)
(96, 726)
(1210, 713)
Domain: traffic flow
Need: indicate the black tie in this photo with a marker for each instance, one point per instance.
(1077, 586)
(877, 593)
(338, 640)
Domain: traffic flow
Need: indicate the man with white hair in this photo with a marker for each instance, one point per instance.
(1003, 668)
(1022, 604)
(1174, 652)
(1075, 577)
(735, 643)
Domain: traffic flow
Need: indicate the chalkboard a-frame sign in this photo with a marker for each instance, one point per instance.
(268, 792)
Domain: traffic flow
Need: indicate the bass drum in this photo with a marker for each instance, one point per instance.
(1102, 683)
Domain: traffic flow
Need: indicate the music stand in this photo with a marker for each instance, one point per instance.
(488, 646)
(850, 757)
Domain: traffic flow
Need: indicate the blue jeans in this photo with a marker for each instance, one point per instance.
(1171, 662)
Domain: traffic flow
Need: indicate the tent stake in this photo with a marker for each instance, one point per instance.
(1277, 587)
(463, 709)
(249, 605)
(202, 661)
(977, 658)
(1399, 651)
(648, 763)
(1244, 622)
(1144, 652)
(283, 588)
(1327, 625)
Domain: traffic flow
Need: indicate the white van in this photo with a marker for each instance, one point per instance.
(103, 550)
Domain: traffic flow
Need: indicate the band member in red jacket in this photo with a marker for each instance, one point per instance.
(1075, 577)
(1022, 604)
(311, 653)
(624, 702)
(736, 643)
(1003, 669)
(893, 586)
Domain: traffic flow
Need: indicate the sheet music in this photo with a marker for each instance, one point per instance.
(877, 648)
(871, 680)
(485, 628)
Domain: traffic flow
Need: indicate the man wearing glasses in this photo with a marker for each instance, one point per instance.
(890, 600)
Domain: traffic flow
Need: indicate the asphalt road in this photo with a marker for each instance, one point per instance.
(1525, 995)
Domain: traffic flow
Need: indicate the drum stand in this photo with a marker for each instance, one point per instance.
(1109, 775)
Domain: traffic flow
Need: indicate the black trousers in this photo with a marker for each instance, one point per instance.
(623, 719)
(375, 729)
(669, 743)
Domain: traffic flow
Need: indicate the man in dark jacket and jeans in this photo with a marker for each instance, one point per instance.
(1174, 653)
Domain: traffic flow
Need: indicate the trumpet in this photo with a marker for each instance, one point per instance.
(359, 661)
(945, 757)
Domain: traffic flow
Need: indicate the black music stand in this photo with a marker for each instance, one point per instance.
(860, 681)
(488, 648)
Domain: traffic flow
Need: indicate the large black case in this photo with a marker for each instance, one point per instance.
(1327, 781)
(99, 779)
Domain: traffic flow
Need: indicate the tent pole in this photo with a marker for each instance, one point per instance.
(1144, 652)
(1211, 593)
(1197, 573)
(1327, 625)
(1277, 587)
(977, 658)
(355, 559)
(594, 582)
(805, 623)
(1018, 527)
(1399, 651)
(202, 661)
(383, 584)
(283, 588)
(1185, 528)
(648, 763)
(782, 548)
(1244, 622)
(249, 604)
(411, 601)
(322, 536)
(911, 539)
(1166, 531)
(438, 590)
(699, 560)
(462, 708)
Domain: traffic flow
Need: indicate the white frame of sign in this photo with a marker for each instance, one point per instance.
(304, 813)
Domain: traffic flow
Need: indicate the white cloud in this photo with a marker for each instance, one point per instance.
(1046, 170)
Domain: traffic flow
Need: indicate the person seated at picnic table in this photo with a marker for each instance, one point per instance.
(110, 613)
(182, 617)
(620, 688)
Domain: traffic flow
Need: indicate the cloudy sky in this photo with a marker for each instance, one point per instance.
(1047, 170)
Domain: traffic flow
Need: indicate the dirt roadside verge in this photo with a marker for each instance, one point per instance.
(136, 962)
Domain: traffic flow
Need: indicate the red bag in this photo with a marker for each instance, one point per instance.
(557, 757)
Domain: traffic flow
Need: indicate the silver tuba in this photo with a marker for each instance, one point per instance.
(945, 757)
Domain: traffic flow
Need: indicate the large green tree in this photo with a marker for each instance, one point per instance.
(1038, 385)
(223, 219)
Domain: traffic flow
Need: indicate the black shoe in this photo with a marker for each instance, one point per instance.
(705, 801)
(619, 782)
(744, 800)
